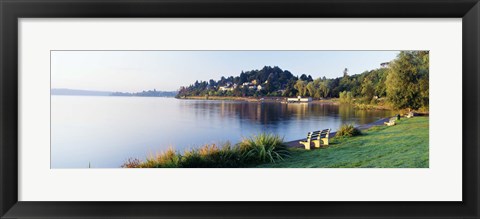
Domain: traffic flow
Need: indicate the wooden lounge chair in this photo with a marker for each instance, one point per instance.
(322, 138)
(391, 122)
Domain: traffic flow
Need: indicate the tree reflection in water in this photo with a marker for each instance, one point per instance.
(272, 113)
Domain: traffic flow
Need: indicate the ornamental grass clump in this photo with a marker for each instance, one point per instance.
(347, 130)
(131, 163)
(191, 158)
(167, 159)
(263, 148)
(209, 156)
(228, 156)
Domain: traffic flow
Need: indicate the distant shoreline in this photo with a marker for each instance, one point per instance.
(253, 99)
(79, 92)
(248, 99)
(282, 99)
(86, 95)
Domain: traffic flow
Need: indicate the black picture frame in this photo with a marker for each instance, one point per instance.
(12, 10)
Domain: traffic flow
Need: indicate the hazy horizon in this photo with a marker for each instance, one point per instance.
(112, 91)
(135, 71)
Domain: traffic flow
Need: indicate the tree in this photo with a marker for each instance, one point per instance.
(424, 78)
(290, 89)
(324, 88)
(407, 80)
(212, 83)
(301, 86)
(381, 76)
(318, 88)
(311, 89)
(344, 83)
(303, 77)
(368, 90)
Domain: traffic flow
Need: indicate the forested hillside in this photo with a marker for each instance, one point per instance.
(402, 81)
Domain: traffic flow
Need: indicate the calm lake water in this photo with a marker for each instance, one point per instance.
(106, 131)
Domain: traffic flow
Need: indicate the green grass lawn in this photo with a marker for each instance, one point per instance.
(404, 145)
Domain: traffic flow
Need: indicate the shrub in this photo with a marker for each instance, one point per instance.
(258, 149)
(167, 159)
(211, 156)
(364, 107)
(192, 158)
(263, 148)
(423, 109)
(131, 163)
(228, 156)
(346, 97)
(347, 130)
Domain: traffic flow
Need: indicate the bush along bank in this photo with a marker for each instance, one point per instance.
(259, 149)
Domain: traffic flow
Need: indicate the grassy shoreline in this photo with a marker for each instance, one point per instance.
(405, 145)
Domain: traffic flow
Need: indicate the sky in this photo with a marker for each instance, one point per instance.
(134, 71)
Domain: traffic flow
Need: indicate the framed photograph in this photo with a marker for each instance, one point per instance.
(255, 109)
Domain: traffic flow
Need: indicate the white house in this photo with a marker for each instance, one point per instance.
(225, 88)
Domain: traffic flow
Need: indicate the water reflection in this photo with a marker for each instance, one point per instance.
(273, 113)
